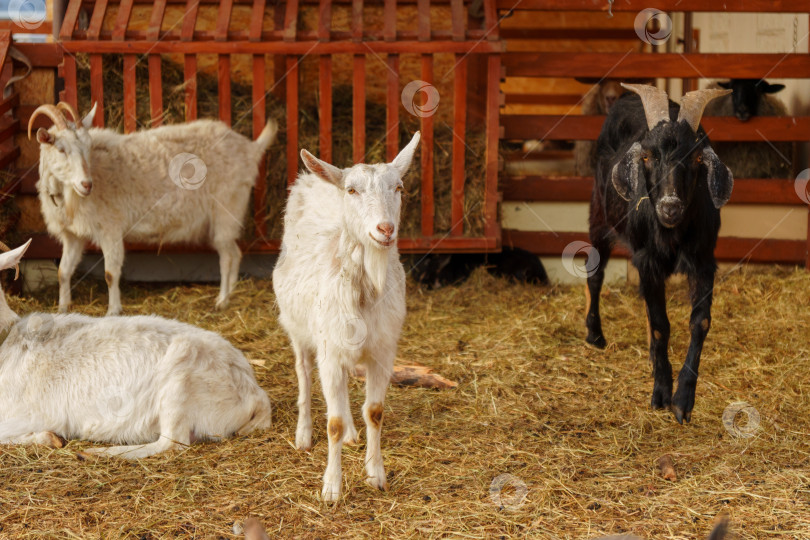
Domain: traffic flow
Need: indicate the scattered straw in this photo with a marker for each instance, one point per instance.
(570, 422)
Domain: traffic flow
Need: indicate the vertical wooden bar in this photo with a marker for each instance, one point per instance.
(491, 19)
(69, 22)
(96, 20)
(224, 87)
(459, 138)
(155, 90)
(97, 88)
(392, 108)
(325, 83)
(223, 20)
(260, 187)
(426, 120)
(358, 87)
(491, 227)
(292, 118)
(390, 20)
(190, 78)
(189, 20)
(122, 20)
(130, 118)
(290, 20)
(457, 16)
(279, 63)
(68, 95)
(156, 20)
(256, 20)
(688, 47)
(359, 109)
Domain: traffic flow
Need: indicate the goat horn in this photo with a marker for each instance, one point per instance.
(4, 247)
(654, 101)
(693, 103)
(51, 112)
(65, 106)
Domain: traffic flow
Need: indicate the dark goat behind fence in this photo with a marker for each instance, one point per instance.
(441, 269)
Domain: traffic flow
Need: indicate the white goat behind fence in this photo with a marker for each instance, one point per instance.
(186, 183)
(146, 384)
(340, 288)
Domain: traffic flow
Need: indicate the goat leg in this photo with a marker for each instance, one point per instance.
(653, 291)
(701, 284)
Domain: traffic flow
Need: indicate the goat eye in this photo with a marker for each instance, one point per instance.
(61, 150)
(699, 159)
(646, 158)
(352, 191)
(399, 189)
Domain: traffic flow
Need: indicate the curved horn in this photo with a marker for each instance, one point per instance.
(654, 101)
(693, 103)
(65, 106)
(51, 112)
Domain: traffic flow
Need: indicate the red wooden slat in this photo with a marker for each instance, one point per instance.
(96, 20)
(130, 120)
(122, 20)
(491, 225)
(97, 88)
(392, 108)
(156, 20)
(256, 19)
(458, 169)
(291, 20)
(223, 20)
(490, 19)
(292, 118)
(324, 19)
(641, 65)
(390, 20)
(426, 148)
(279, 63)
(155, 90)
(325, 108)
(779, 191)
(423, 19)
(764, 6)
(359, 109)
(259, 120)
(224, 87)
(5, 43)
(593, 34)
(190, 78)
(189, 21)
(69, 22)
(291, 47)
(457, 16)
(68, 95)
(561, 127)
(357, 20)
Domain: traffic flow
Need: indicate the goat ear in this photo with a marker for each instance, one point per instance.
(87, 121)
(44, 136)
(322, 169)
(625, 174)
(718, 177)
(771, 88)
(13, 257)
(403, 160)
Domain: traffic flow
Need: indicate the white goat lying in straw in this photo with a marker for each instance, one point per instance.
(187, 183)
(148, 383)
(340, 288)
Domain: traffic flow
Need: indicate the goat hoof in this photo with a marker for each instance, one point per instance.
(682, 403)
(330, 493)
(661, 399)
(597, 341)
(378, 483)
(680, 416)
(54, 440)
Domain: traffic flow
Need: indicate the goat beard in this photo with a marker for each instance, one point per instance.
(71, 203)
(375, 262)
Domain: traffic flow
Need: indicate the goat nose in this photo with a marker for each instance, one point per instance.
(87, 185)
(386, 228)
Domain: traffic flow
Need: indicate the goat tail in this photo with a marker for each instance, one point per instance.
(268, 135)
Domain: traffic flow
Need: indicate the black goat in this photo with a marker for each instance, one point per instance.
(441, 269)
(658, 189)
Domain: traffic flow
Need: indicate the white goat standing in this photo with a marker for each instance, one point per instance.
(340, 288)
(186, 183)
(146, 383)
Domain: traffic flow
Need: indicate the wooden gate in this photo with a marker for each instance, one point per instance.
(104, 28)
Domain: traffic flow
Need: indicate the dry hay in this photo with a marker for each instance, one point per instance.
(241, 107)
(533, 401)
